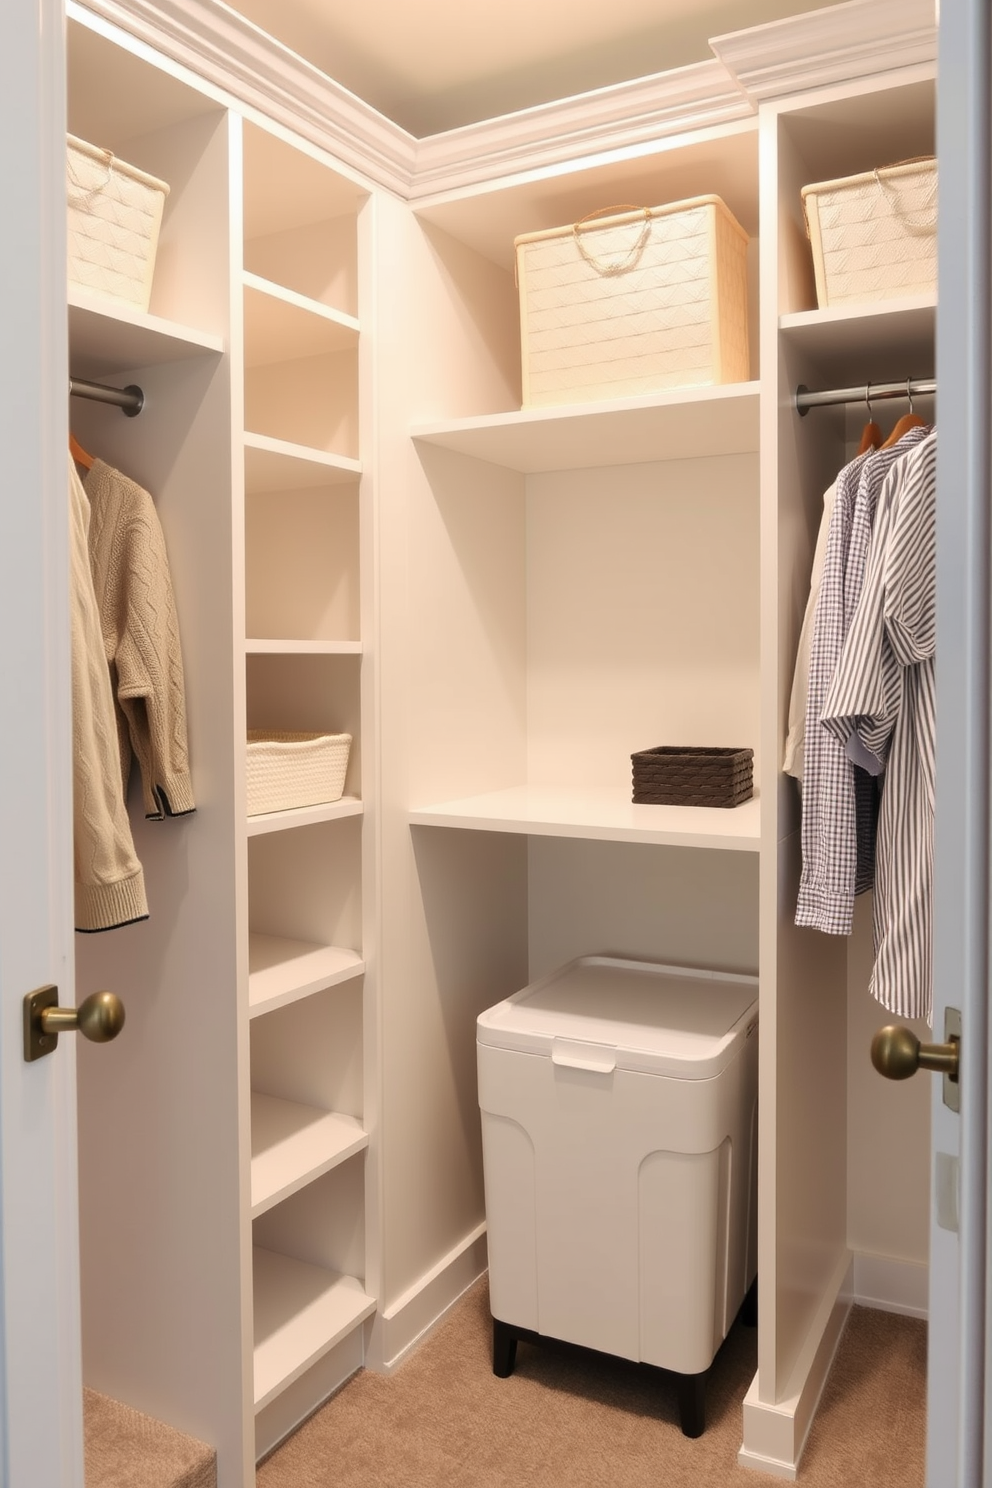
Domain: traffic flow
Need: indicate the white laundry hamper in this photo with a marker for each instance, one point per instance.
(619, 1131)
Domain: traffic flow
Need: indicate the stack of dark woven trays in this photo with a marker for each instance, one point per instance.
(680, 775)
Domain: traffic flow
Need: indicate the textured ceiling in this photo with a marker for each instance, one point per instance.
(432, 65)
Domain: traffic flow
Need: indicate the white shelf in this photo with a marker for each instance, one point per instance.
(281, 971)
(604, 814)
(885, 340)
(279, 465)
(301, 1312)
(283, 326)
(256, 647)
(680, 424)
(106, 336)
(303, 816)
(292, 1144)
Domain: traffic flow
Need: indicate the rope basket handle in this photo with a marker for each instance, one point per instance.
(621, 265)
(84, 191)
(891, 194)
(923, 229)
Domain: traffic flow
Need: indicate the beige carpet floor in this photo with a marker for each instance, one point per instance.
(125, 1449)
(568, 1418)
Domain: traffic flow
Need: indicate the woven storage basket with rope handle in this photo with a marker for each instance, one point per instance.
(286, 770)
(874, 235)
(114, 219)
(632, 302)
(674, 775)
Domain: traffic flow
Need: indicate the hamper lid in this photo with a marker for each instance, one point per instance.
(602, 1013)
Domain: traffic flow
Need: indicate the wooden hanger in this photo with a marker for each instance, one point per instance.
(908, 421)
(871, 437)
(871, 434)
(79, 454)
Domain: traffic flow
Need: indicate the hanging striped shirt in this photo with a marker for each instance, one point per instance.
(840, 799)
(884, 692)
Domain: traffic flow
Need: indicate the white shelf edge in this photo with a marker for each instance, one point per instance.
(303, 816)
(295, 969)
(183, 339)
(268, 445)
(567, 412)
(799, 320)
(313, 1141)
(605, 815)
(679, 423)
(256, 646)
(286, 296)
(307, 1311)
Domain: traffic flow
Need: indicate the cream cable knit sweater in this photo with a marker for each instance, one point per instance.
(110, 885)
(141, 638)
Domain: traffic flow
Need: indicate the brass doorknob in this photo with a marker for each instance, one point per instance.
(99, 1018)
(897, 1053)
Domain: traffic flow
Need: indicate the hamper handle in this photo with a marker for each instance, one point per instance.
(601, 1059)
(922, 229)
(108, 156)
(630, 257)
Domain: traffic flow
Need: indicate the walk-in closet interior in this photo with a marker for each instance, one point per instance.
(369, 536)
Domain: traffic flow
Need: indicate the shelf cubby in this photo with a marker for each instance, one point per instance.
(300, 220)
(281, 465)
(283, 970)
(283, 326)
(294, 1144)
(301, 1312)
(302, 570)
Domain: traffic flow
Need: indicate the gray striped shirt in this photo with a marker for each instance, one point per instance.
(884, 692)
(839, 796)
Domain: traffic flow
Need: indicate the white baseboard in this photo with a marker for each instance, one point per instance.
(892, 1285)
(775, 1432)
(408, 1320)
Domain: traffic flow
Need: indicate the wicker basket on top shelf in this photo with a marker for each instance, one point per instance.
(641, 299)
(115, 215)
(874, 236)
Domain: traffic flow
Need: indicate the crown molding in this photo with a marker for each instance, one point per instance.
(829, 46)
(606, 119)
(246, 64)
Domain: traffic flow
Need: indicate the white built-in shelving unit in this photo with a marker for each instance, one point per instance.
(303, 569)
(248, 980)
(520, 601)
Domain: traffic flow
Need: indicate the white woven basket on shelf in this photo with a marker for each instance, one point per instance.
(286, 770)
(643, 299)
(874, 236)
(115, 215)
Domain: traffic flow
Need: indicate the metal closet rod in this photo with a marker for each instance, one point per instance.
(130, 400)
(871, 392)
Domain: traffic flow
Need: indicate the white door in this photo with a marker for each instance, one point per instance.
(40, 1377)
(956, 1453)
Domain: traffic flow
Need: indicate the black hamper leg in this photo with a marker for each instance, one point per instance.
(504, 1349)
(692, 1403)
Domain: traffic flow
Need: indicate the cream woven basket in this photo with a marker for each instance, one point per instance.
(286, 770)
(640, 300)
(874, 236)
(115, 215)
